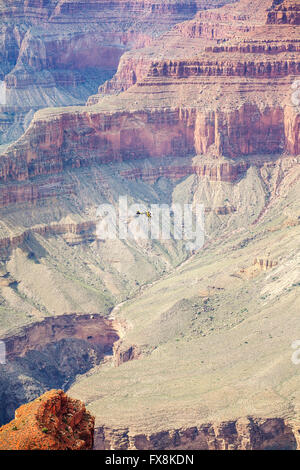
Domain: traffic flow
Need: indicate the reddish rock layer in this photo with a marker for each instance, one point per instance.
(93, 328)
(213, 171)
(123, 353)
(52, 422)
(73, 233)
(75, 140)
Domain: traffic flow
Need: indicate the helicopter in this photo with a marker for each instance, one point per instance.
(147, 213)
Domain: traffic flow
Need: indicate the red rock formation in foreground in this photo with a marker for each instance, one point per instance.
(52, 422)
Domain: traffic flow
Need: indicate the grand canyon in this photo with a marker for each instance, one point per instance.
(142, 344)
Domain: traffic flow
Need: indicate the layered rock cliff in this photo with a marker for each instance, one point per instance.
(229, 97)
(73, 140)
(242, 434)
(58, 53)
(52, 422)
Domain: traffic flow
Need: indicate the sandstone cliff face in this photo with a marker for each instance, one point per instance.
(75, 140)
(229, 98)
(95, 33)
(243, 434)
(52, 422)
(58, 53)
(284, 12)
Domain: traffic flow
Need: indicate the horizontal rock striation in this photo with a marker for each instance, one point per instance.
(76, 140)
(242, 434)
(213, 171)
(238, 68)
(73, 233)
(30, 193)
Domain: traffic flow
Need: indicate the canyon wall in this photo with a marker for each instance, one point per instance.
(242, 434)
(186, 95)
(284, 12)
(93, 328)
(74, 140)
(58, 53)
(65, 35)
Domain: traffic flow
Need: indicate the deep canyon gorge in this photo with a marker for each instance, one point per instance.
(166, 102)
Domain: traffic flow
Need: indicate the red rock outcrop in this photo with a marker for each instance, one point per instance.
(52, 422)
